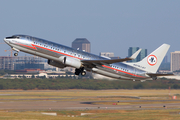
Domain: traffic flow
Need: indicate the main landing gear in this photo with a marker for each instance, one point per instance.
(80, 70)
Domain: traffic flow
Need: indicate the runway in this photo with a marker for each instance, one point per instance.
(89, 104)
(87, 99)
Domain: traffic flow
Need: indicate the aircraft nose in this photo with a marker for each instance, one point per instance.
(5, 40)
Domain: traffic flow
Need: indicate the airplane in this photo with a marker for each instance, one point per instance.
(63, 56)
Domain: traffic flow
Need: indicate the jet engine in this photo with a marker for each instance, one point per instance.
(56, 64)
(72, 62)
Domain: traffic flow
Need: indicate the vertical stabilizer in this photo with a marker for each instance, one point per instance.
(152, 62)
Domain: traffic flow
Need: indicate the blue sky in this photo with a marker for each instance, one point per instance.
(110, 25)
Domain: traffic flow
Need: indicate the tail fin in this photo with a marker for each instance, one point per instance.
(152, 62)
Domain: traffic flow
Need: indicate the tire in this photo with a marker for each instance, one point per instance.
(15, 54)
(83, 73)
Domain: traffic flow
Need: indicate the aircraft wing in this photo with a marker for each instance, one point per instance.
(113, 60)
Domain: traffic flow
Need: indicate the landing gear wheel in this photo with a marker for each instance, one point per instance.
(83, 73)
(15, 54)
(81, 70)
(77, 71)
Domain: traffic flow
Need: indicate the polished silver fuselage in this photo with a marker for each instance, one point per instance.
(53, 51)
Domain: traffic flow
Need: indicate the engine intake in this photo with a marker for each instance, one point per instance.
(56, 64)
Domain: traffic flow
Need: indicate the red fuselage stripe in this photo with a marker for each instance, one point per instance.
(122, 71)
(77, 58)
(47, 49)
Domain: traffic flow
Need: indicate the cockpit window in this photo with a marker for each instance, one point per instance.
(13, 37)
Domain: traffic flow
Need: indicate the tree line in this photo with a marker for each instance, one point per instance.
(66, 83)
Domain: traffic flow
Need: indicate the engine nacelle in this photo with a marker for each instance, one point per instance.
(72, 62)
(56, 64)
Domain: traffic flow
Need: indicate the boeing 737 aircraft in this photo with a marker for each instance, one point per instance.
(62, 56)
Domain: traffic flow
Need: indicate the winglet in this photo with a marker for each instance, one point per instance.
(135, 54)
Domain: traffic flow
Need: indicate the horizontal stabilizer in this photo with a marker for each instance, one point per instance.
(158, 74)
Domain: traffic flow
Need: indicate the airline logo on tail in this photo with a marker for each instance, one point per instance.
(152, 60)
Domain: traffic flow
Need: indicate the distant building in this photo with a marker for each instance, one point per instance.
(40, 74)
(141, 55)
(22, 62)
(6, 63)
(115, 58)
(107, 54)
(165, 60)
(175, 61)
(165, 66)
(29, 62)
(131, 51)
(81, 44)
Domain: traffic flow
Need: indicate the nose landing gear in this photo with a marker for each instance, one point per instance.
(81, 70)
(15, 54)
(15, 49)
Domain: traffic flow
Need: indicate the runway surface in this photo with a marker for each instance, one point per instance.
(87, 99)
(79, 105)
